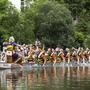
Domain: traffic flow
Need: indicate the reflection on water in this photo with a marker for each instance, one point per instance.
(48, 78)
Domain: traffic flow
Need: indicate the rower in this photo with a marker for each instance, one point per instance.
(49, 51)
(41, 57)
(30, 57)
(61, 55)
(68, 55)
(74, 54)
(78, 58)
(54, 56)
(9, 53)
(45, 58)
(81, 54)
(88, 53)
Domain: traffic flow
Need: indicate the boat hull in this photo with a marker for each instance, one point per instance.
(4, 65)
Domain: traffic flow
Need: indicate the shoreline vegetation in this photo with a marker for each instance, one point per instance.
(62, 23)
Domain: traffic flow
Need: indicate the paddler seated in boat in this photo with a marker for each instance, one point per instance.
(9, 53)
(13, 50)
(41, 56)
(88, 53)
(30, 57)
(68, 55)
(58, 51)
(25, 47)
(11, 39)
(77, 55)
(45, 58)
(18, 55)
(73, 54)
(85, 53)
(37, 43)
(81, 55)
(15, 55)
(49, 52)
(36, 54)
(54, 56)
(61, 55)
(9, 50)
(5, 43)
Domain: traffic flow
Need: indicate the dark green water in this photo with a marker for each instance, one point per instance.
(50, 78)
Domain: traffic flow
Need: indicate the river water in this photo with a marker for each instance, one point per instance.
(46, 78)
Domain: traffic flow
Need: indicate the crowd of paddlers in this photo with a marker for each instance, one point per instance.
(16, 53)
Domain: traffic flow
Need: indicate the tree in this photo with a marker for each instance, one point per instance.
(52, 23)
(87, 41)
(12, 22)
(25, 30)
(3, 10)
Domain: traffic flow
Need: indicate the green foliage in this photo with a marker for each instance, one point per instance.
(51, 24)
(87, 41)
(54, 22)
(23, 31)
(3, 33)
(79, 39)
(3, 7)
(13, 23)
